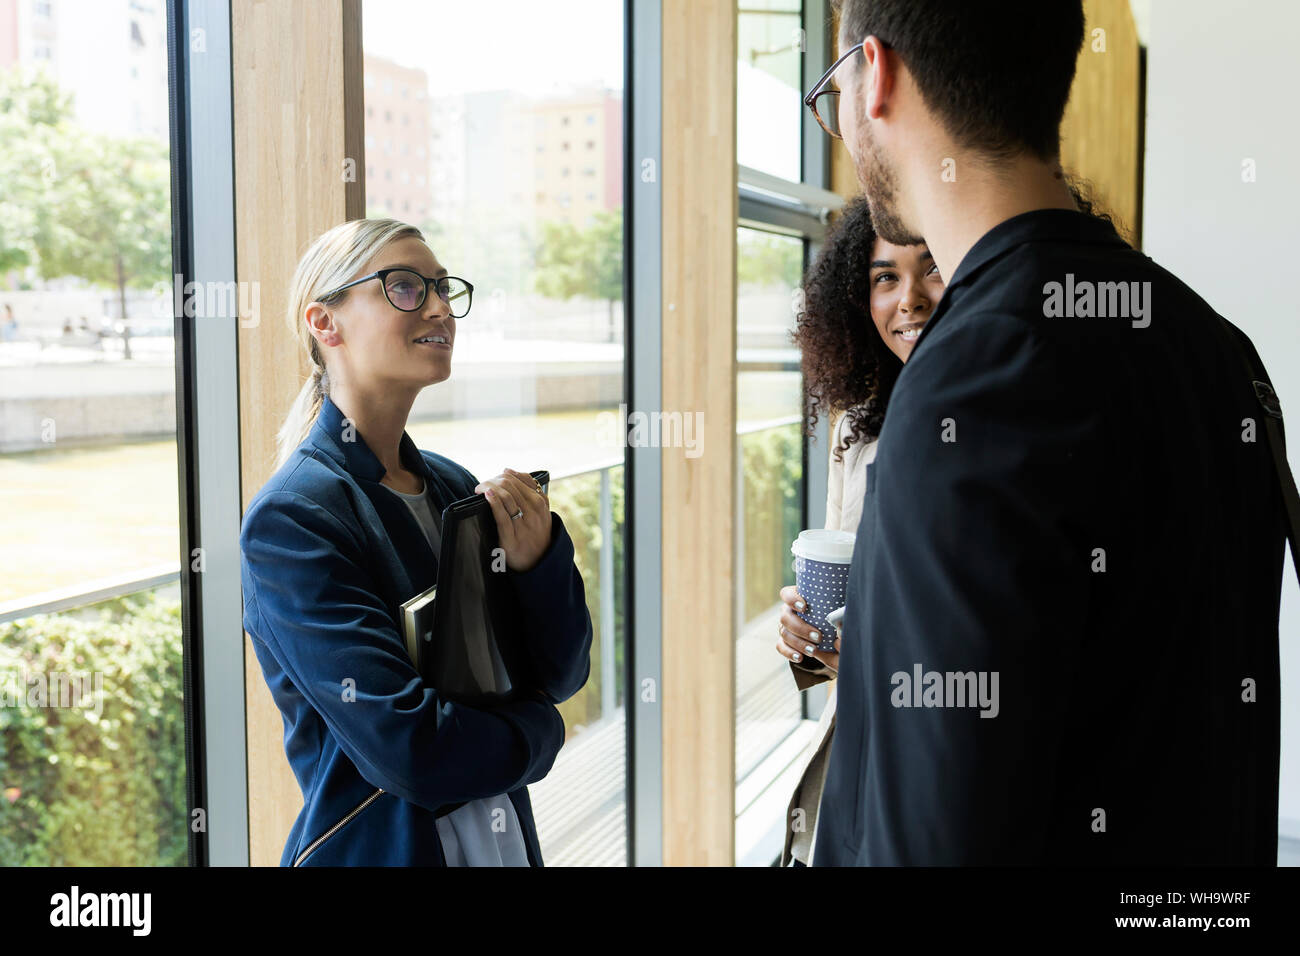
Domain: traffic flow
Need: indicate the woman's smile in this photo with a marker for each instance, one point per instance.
(435, 340)
(908, 333)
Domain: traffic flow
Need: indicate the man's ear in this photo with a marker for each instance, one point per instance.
(877, 77)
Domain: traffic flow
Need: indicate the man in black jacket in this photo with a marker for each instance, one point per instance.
(1061, 643)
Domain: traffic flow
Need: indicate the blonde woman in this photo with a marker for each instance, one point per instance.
(346, 530)
(866, 302)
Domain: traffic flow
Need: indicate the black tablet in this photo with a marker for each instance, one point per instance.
(474, 653)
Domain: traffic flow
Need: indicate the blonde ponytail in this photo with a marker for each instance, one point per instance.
(334, 259)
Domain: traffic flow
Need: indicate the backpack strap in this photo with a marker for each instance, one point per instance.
(1272, 419)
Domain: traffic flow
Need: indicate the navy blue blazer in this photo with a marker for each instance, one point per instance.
(1075, 504)
(328, 557)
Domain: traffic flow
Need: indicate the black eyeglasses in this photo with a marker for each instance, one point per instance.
(825, 102)
(406, 290)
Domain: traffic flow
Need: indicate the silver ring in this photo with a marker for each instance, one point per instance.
(520, 515)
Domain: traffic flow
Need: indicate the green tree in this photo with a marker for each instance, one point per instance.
(764, 259)
(33, 114)
(78, 203)
(587, 261)
(108, 219)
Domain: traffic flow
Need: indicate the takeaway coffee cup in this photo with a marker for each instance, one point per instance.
(821, 574)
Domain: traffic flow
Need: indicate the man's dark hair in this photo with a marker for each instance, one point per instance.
(996, 72)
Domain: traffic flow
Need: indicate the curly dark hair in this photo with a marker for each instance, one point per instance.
(846, 365)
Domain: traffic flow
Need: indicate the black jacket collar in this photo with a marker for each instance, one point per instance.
(1038, 225)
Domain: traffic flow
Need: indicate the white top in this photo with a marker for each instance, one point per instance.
(484, 832)
(846, 482)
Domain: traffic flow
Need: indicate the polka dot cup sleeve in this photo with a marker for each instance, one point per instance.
(821, 574)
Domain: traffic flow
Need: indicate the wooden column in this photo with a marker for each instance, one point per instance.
(844, 178)
(1099, 135)
(298, 118)
(699, 191)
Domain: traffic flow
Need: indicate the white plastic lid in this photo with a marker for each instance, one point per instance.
(822, 544)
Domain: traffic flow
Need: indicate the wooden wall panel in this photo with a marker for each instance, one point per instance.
(700, 205)
(1099, 136)
(298, 113)
(844, 178)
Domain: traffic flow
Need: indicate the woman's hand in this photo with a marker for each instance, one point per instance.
(796, 638)
(523, 539)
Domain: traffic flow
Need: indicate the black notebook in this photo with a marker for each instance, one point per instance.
(462, 633)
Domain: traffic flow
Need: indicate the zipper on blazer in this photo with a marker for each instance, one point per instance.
(338, 826)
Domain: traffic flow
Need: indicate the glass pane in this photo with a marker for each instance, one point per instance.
(93, 759)
(769, 98)
(512, 168)
(88, 460)
(770, 506)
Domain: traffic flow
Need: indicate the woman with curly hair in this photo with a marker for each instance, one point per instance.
(865, 303)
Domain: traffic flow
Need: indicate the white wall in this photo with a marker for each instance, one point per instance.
(1221, 85)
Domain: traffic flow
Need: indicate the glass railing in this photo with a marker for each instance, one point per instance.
(581, 807)
(768, 514)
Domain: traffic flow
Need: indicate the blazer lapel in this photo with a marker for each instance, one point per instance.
(336, 436)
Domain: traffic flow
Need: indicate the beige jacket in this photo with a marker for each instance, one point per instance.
(846, 487)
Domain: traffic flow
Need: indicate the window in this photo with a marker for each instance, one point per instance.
(769, 93)
(541, 354)
(90, 594)
(775, 238)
